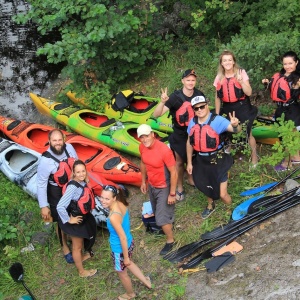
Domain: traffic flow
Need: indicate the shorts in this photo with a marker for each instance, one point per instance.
(164, 212)
(118, 258)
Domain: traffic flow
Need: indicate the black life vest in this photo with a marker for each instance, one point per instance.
(84, 204)
(230, 90)
(185, 112)
(203, 138)
(280, 90)
(64, 170)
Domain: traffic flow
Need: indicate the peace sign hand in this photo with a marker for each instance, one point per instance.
(164, 95)
(239, 76)
(233, 120)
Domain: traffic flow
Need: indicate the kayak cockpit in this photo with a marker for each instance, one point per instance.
(96, 120)
(20, 161)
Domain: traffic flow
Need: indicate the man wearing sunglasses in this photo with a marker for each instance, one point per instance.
(178, 138)
(211, 164)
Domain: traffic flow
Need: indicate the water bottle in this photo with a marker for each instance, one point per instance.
(120, 125)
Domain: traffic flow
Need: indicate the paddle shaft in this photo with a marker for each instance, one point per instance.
(208, 253)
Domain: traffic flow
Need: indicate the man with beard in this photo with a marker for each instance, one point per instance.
(49, 188)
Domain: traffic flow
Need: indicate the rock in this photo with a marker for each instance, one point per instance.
(40, 238)
(290, 184)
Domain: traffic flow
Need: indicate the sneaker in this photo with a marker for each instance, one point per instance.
(180, 196)
(208, 211)
(167, 248)
(280, 168)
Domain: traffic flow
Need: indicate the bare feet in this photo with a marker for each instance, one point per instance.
(126, 296)
(149, 284)
(88, 273)
(86, 256)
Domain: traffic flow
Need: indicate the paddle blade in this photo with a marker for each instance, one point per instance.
(241, 210)
(258, 189)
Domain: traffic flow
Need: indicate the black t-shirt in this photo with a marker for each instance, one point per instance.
(174, 103)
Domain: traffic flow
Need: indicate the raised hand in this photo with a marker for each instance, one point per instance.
(239, 76)
(233, 120)
(164, 95)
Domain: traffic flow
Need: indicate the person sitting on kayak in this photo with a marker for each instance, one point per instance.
(211, 164)
(175, 103)
(75, 218)
(48, 191)
(285, 92)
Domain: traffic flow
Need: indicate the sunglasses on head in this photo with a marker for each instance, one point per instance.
(111, 189)
(199, 107)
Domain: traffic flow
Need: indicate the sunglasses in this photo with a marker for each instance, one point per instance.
(199, 107)
(111, 189)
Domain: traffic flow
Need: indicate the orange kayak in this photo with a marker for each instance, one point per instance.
(100, 159)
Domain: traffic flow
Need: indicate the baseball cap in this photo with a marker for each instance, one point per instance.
(189, 72)
(197, 100)
(143, 129)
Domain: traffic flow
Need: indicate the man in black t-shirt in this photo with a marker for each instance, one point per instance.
(178, 138)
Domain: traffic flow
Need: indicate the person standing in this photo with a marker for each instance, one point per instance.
(232, 94)
(54, 171)
(285, 92)
(159, 167)
(121, 240)
(211, 164)
(178, 105)
(75, 218)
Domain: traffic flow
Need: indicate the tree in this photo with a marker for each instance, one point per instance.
(112, 39)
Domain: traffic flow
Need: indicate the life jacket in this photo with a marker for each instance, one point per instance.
(230, 90)
(64, 170)
(280, 90)
(203, 138)
(84, 204)
(185, 112)
(122, 100)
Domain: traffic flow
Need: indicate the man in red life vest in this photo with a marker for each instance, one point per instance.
(178, 103)
(48, 190)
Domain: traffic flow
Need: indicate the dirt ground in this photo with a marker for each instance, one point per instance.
(267, 268)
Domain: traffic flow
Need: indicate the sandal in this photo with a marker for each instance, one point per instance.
(180, 196)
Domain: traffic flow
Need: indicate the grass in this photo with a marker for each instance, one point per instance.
(50, 277)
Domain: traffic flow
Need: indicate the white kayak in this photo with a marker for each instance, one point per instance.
(19, 164)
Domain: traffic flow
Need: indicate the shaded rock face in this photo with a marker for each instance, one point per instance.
(21, 71)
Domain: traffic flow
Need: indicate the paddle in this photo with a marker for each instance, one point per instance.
(208, 253)
(241, 210)
(261, 188)
(249, 217)
(232, 228)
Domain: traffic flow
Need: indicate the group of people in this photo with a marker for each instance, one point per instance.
(197, 145)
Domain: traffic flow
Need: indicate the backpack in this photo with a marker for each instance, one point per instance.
(185, 112)
(122, 100)
(280, 89)
(203, 138)
(84, 204)
(64, 170)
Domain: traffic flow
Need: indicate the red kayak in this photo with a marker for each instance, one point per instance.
(99, 159)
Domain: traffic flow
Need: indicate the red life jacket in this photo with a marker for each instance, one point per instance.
(203, 138)
(230, 90)
(280, 90)
(185, 112)
(64, 170)
(84, 204)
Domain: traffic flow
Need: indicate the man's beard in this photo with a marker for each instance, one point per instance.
(58, 152)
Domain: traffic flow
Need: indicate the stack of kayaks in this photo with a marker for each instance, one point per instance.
(139, 110)
(96, 126)
(19, 164)
(99, 159)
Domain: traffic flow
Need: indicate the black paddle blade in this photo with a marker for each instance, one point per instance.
(197, 260)
(219, 262)
(179, 254)
(16, 272)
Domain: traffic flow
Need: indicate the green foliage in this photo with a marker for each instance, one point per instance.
(266, 110)
(289, 144)
(116, 39)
